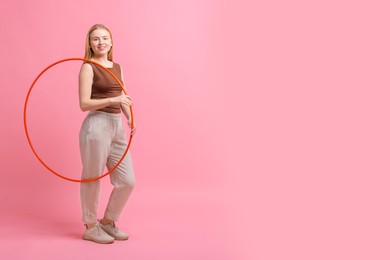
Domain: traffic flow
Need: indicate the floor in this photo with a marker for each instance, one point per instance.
(176, 225)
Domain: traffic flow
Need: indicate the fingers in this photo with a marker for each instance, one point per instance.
(126, 100)
(133, 131)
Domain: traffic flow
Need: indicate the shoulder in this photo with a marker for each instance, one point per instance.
(116, 65)
(86, 66)
(86, 69)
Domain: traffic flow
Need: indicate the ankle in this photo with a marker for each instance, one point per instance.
(89, 226)
(106, 221)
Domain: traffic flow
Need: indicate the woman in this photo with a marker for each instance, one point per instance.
(102, 137)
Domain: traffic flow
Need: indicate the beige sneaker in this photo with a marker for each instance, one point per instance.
(113, 231)
(98, 235)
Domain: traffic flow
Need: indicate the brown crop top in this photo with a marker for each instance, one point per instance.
(105, 86)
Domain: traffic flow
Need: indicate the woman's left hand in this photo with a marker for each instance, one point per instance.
(133, 130)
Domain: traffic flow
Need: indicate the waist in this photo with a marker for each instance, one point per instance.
(116, 116)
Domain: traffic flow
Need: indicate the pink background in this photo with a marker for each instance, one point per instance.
(263, 128)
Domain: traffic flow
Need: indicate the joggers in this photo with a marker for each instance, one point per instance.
(102, 143)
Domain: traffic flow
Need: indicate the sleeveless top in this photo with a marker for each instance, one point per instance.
(105, 86)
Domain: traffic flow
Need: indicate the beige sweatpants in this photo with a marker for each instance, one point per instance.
(102, 143)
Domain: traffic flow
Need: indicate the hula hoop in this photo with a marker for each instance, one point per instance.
(28, 136)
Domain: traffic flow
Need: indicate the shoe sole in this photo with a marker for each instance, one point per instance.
(97, 241)
(121, 239)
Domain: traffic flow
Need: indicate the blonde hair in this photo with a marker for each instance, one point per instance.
(88, 50)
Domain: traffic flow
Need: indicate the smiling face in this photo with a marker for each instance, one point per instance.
(100, 42)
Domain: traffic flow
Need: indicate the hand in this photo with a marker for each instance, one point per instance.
(132, 130)
(122, 100)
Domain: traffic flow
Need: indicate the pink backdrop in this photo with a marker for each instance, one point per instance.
(262, 128)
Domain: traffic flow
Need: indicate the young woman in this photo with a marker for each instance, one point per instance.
(102, 137)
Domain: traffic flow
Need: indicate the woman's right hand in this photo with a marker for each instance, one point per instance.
(122, 100)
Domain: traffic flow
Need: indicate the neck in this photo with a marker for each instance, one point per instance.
(101, 59)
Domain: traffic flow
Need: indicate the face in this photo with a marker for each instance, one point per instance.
(100, 42)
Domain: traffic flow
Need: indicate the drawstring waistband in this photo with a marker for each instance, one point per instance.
(105, 114)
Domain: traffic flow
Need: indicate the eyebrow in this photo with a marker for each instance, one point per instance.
(99, 36)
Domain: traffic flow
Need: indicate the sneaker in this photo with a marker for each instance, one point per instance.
(113, 231)
(98, 235)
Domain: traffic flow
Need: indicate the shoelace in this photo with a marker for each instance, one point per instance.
(115, 228)
(99, 229)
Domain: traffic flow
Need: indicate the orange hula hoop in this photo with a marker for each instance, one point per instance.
(28, 136)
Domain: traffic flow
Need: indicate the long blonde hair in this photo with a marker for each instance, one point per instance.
(88, 50)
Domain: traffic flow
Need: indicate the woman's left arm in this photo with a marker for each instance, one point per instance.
(126, 109)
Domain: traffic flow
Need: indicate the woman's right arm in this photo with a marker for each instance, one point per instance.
(85, 90)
